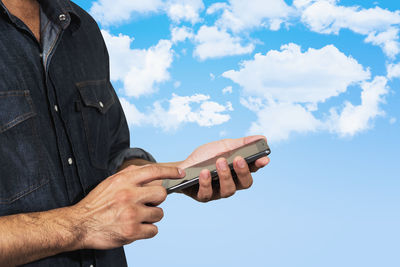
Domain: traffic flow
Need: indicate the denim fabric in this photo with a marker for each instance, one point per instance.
(62, 128)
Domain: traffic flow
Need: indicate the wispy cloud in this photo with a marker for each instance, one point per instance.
(171, 114)
(212, 42)
(112, 12)
(379, 25)
(239, 15)
(393, 71)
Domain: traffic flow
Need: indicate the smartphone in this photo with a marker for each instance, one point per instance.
(250, 152)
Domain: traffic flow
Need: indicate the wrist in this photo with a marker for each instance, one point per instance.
(76, 230)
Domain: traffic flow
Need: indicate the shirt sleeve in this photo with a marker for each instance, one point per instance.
(120, 149)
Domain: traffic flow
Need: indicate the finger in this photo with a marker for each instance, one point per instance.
(205, 192)
(152, 172)
(259, 163)
(147, 231)
(227, 185)
(152, 214)
(152, 195)
(244, 178)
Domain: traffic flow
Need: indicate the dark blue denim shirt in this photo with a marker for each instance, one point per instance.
(62, 128)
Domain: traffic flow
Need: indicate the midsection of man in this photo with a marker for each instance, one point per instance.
(62, 129)
(72, 191)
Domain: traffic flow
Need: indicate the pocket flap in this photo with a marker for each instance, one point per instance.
(96, 94)
(15, 107)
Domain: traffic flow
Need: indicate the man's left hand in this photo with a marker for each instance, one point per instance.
(205, 191)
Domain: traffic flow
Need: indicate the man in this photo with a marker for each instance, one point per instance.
(72, 192)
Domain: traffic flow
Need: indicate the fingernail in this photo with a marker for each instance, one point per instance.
(222, 165)
(181, 172)
(241, 163)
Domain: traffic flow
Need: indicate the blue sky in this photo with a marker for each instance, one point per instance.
(320, 79)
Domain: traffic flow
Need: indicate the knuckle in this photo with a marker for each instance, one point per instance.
(225, 176)
(159, 214)
(247, 184)
(124, 196)
(205, 197)
(225, 193)
(205, 183)
(130, 233)
(131, 215)
(154, 169)
(129, 168)
(162, 193)
(153, 231)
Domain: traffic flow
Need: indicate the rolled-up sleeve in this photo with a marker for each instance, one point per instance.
(127, 154)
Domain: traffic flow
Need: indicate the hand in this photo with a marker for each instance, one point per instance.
(227, 185)
(121, 209)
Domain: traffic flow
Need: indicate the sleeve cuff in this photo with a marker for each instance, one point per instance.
(127, 154)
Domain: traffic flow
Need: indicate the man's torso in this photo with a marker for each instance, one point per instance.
(57, 112)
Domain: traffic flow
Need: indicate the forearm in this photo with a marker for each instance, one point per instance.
(32, 236)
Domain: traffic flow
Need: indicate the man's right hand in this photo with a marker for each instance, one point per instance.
(121, 210)
(118, 211)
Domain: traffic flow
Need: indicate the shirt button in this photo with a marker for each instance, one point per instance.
(40, 55)
(70, 161)
(56, 108)
(101, 104)
(62, 17)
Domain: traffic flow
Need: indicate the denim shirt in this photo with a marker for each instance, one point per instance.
(62, 128)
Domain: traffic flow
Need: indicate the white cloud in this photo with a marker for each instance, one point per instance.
(355, 119)
(109, 12)
(285, 88)
(180, 34)
(178, 110)
(132, 114)
(212, 42)
(184, 10)
(241, 15)
(392, 120)
(116, 11)
(289, 75)
(388, 41)
(140, 70)
(393, 71)
(325, 16)
(227, 90)
(278, 121)
(254, 104)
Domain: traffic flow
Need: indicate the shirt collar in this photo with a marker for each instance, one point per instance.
(60, 12)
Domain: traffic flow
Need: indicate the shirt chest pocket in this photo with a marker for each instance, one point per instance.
(97, 101)
(23, 168)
